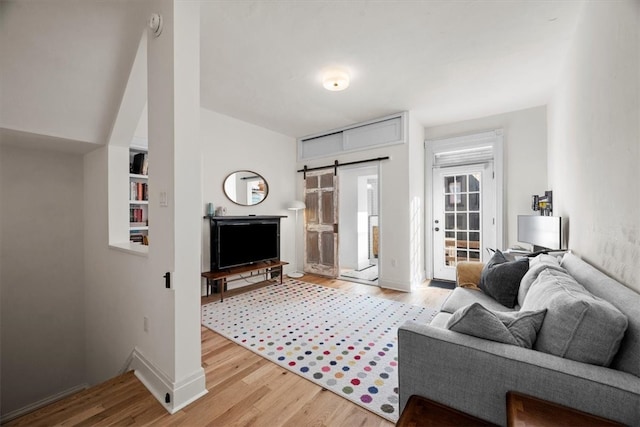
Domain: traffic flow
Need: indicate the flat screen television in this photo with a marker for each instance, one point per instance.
(543, 232)
(244, 242)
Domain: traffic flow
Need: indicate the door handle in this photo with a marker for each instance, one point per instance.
(437, 228)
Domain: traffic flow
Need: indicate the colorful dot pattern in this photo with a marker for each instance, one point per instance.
(344, 342)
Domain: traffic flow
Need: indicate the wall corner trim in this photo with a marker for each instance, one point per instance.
(159, 384)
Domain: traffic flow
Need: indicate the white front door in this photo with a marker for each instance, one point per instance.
(463, 216)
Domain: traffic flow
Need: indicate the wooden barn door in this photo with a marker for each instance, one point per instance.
(321, 224)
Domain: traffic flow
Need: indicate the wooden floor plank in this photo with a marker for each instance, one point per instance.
(315, 413)
(244, 388)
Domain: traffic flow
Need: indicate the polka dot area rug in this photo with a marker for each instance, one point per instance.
(344, 342)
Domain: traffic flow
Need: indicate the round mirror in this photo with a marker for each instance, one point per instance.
(245, 188)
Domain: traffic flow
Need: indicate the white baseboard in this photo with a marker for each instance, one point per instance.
(180, 394)
(392, 285)
(396, 286)
(42, 403)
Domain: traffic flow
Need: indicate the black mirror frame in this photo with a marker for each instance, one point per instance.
(266, 187)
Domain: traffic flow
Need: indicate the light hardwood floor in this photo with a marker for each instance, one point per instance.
(244, 388)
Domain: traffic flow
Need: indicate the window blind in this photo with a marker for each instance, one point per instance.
(466, 156)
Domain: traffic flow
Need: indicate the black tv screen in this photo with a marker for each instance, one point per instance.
(245, 242)
(540, 231)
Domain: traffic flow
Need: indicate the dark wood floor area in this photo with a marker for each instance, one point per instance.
(244, 388)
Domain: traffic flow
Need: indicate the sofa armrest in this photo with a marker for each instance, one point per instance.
(474, 375)
(468, 274)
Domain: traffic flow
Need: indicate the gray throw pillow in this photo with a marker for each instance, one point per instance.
(516, 328)
(578, 325)
(500, 278)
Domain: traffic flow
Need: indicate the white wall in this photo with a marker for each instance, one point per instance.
(230, 145)
(42, 315)
(525, 157)
(594, 139)
(117, 289)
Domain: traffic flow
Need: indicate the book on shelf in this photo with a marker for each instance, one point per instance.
(137, 215)
(139, 191)
(139, 238)
(138, 163)
(136, 238)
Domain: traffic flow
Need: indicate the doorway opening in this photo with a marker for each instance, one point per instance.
(359, 242)
(466, 198)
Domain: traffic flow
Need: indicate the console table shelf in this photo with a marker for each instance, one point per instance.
(223, 275)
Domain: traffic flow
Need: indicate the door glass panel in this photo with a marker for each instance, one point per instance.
(474, 221)
(449, 221)
(461, 221)
(461, 202)
(449, 184)
(474, 202)
(461, 184)
(474, 182)
(449, 203)
(462, 218)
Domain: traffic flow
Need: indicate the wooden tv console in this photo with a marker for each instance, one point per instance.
(223, 275)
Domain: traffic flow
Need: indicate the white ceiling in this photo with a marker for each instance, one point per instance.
(65, 63)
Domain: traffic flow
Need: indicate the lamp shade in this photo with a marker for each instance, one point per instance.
(296, 205)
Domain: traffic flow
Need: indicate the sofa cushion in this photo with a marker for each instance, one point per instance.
(515, 328)
(536, 265)
(578, 325)
(461, 297)
(623, 298)
(501, 278)
(440, 320)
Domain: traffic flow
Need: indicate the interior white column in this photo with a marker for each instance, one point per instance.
(175, 204)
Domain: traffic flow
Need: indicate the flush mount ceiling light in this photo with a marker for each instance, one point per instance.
(335, 80)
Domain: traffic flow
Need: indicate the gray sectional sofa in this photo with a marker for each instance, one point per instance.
(585, 351)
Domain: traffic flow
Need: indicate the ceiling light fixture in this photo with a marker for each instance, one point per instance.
(335, 80)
